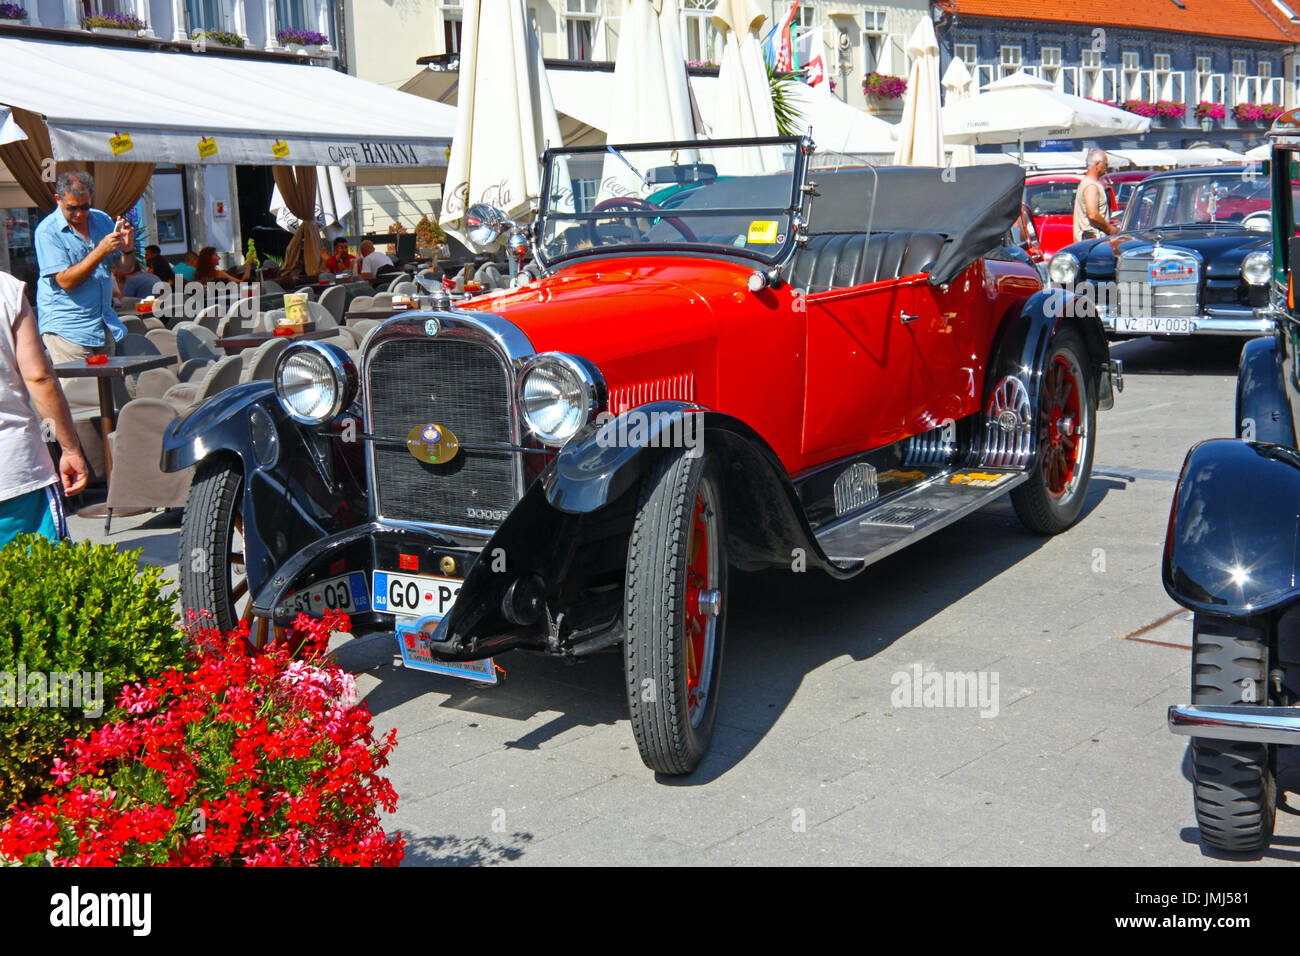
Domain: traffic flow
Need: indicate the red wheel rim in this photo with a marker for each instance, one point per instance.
(700, 623)
(1065, 437)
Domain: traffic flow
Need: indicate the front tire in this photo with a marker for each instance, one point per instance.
(675, 611)
(212, 572)
(1066, 409)
(1233, 782)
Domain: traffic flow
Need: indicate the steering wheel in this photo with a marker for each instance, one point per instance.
(632, 202)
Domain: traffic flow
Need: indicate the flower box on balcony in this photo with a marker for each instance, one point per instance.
(303, 41)
(116, 24)
(13, 15)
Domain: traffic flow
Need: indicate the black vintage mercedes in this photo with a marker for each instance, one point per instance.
(1191, 257)
(1232, 556)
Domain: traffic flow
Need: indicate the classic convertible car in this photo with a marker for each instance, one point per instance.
(760, 367)
(1232, 556)
(1191, 256)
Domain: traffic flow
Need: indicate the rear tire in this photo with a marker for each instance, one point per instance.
(675, 610)
(1233, 782)
(1066, 416)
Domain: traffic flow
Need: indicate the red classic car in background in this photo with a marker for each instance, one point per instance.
(1050, 198)
(730, 362)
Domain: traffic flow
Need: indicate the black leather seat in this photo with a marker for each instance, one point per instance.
(842, 260)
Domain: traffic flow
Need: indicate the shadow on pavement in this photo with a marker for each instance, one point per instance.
(464, 851)
(1193, 355)
(783, 626)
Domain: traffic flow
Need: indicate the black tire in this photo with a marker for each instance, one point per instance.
(658, 653)
(1038, 506)
(1233, 782)
(211, 568)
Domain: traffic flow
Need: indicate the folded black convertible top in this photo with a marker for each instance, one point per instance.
(974, 206)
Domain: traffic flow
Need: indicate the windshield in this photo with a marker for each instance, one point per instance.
(1051, 199)
(1229, 196)
(734, 197)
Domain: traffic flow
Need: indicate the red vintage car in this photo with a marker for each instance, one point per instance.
(1050, 197)
(1123, 183)
(761, 367)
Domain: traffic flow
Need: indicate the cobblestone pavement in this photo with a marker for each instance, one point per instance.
(813, 759)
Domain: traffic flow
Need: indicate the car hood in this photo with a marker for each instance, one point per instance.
(1221, 251)
(612, 308)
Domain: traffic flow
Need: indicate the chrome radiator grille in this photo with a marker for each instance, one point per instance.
(464, 386)
(1135, 295)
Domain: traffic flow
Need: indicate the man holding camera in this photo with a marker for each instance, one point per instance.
(76, 248)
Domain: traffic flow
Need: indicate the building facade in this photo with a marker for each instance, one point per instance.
(1237, 55)
(185, 207)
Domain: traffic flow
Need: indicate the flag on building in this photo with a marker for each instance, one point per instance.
(777, 47)
(808, 47)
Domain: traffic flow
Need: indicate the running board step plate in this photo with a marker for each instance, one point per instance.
(879, 532)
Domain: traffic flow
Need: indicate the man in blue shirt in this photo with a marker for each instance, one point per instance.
(76, 247)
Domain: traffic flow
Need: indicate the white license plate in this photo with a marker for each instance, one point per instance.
(346, 592)
(414, 595)
(1153, 324)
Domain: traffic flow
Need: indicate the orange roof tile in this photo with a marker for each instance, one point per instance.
(1245, 19)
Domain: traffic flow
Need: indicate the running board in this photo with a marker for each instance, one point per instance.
(881, 530)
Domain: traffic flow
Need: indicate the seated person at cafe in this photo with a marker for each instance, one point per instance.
(157, 265)
(372, 260)
(136, 284)
(206, 269)
(187, 266)
(342, 260)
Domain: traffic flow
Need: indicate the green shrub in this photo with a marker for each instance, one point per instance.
(71, 609)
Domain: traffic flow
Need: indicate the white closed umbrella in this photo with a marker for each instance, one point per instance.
(959, 85)
(743, 107)
(920, 132)
(1262, 151)
(505, 116)
(332, 203)
(1020, 107)
(651, 98)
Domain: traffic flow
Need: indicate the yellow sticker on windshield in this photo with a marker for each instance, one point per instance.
(207, 147)
(762, 230)
(280, 149)
(120, 143)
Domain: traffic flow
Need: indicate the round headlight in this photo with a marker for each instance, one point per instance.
(314, 382)
(1064, 268)
(1257, 268)
(559, 394)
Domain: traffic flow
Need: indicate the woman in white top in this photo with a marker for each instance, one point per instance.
(29, 499)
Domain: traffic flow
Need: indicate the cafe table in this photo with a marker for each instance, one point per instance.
(237, 343)
(117, 366)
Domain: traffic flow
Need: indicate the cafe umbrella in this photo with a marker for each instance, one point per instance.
(505, 117)
(920, 133)
(651, 89)
(743, 107)
(1021, 107)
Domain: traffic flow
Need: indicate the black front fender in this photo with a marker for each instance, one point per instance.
(1233, 543)
(314, 487)
(1263, 412)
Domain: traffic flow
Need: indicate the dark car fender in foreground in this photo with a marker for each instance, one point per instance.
(310, 489)
(1233, 544)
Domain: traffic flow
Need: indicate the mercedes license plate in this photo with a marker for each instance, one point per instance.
(1154, 324)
